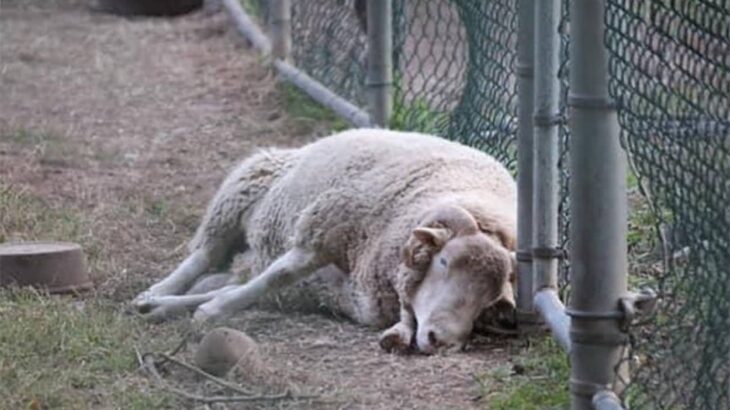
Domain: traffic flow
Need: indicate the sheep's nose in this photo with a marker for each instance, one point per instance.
(429, 343)
(506, 315)
(432, 338)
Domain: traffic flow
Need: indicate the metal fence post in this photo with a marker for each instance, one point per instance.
(380, 60)
(280, 29)
(546, 119)
(524, 70)
(599, 211)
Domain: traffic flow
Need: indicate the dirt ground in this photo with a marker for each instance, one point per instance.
(133, 123)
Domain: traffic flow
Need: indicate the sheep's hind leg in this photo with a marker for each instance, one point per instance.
(294, 265)
(175, 302)
(176, 282)
(165, 308)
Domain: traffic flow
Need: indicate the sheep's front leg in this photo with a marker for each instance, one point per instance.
(399, 336)
(294, 265)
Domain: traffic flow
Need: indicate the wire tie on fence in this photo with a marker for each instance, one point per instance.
(547, 120)
(378, 83)
(587, 315)
(590, 102)
(637, 304)
(587, 389)
(599, 338)
(549, 253)
(524, 70)
(523, 256)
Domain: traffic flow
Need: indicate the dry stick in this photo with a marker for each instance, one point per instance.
(147, 362)
(168, 357)
(182, 343)
(500, 331)
(208, 376)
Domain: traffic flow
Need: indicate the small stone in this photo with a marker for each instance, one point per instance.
(222, 348)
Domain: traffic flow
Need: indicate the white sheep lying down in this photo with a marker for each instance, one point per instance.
(420, 229)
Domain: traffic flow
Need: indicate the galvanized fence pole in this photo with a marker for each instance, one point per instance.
(524, 70)
(599, 212)
(246, 26)
(380, 61)
(546, 119)
(280, 26)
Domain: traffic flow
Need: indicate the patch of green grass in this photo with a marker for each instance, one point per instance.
(632, 181)
(57, 150)
(159, 208)
(107, 156)
(641, 233)
(64, 352)
(537, 380)
(643, 239)
(307, 112)
(59, 352)
(417, 115)
(52, 148)
(25, 217)
(252, 7)
(28, 137)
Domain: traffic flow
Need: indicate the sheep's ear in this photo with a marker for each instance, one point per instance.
(513, 268)
(433, 237)
(422, 244)
(502, 230)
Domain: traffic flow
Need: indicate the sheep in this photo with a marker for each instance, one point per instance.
(412, 233)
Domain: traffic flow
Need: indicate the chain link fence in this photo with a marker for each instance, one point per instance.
(454, 62)
(330, 44)
(670, 76)
(564, 141)
(454, 76)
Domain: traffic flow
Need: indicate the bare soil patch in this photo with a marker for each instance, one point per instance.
(130, 124)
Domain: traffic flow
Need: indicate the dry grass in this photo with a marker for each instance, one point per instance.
(114, 133)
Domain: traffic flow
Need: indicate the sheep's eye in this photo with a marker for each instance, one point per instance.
(443, 262)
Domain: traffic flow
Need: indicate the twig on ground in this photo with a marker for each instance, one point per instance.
(147, 362)
(205, 375)
(182, 343)
(176, 250)
(500, 330)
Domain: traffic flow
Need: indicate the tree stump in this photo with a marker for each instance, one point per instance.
(58, 267)
(148, 7)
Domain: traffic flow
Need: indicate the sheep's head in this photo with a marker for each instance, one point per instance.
(455, 267)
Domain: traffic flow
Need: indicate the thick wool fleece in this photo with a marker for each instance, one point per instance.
(355, 198)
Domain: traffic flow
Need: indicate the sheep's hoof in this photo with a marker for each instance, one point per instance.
(152, 312)
(142, 303)
(396, 340)
(145, 301)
